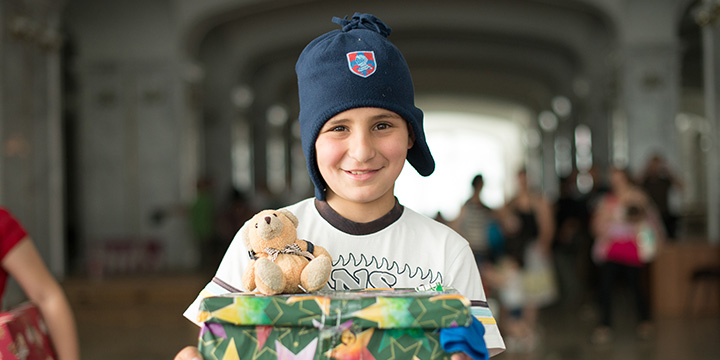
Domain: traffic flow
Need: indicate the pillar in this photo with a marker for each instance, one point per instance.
(706, 16)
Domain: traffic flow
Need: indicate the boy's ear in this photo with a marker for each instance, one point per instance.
(411, 136)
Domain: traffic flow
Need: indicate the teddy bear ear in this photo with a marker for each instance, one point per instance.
(290, 216)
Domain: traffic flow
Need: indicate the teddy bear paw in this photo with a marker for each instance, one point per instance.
(269, 277)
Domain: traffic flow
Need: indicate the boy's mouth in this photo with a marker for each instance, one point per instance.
(359, 172)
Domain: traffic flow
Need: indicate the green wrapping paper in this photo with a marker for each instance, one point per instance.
(363, 324)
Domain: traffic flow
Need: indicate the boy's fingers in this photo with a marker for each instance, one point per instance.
(460, 356)
(189, 353)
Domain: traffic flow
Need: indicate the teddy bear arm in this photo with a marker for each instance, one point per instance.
(248, 278)
(320, 251)
(317, 250)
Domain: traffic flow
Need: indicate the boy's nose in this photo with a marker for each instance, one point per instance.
(361, 147)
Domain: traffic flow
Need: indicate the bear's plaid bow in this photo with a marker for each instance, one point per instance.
(292, 249)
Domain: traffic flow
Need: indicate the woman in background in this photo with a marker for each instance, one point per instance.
(624, 215)
(528, 222)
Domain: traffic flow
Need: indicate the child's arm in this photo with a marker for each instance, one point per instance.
(26, 266)
(600, 218)
(545, 218)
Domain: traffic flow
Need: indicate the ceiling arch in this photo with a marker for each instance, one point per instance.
(506, 50)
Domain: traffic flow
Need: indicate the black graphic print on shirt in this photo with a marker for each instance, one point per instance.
(350, 272)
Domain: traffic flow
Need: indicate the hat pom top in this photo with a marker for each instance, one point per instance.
(363, 21)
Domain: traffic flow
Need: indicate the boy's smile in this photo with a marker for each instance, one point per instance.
(360, 153)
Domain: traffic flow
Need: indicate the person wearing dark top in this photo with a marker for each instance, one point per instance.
(658, 181)
(529, 225)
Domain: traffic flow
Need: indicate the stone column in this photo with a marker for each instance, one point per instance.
(651, 89)
(706, 16)
(31, 141)
(31, 167)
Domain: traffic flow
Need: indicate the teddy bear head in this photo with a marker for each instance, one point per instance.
(270, 229)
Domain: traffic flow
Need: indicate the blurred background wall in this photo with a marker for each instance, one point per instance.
(115, 116)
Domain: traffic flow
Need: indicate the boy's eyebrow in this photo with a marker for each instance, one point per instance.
(387, 115)
(335, 121)
(384, 115)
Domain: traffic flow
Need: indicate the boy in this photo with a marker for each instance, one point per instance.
(359, 124)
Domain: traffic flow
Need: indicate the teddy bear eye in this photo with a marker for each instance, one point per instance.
(275, 215)
(256, 225)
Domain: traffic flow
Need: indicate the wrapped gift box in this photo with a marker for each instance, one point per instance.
(365, 324)
(24, 335)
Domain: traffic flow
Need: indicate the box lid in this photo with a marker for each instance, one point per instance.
(378, 308)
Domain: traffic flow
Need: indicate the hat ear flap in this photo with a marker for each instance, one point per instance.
(411, 136)
(290, 216)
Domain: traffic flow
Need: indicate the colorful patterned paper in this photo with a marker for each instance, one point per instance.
(370, 324)
(24, 335)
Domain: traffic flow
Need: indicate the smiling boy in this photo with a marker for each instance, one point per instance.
(358, 126)
(360, 152)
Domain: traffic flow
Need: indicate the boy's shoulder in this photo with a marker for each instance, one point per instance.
(423, 222)
(302, 205)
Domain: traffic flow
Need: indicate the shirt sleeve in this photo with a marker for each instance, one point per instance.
(11, 232)
(228, 278)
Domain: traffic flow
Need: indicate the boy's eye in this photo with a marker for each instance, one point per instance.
(383, 126)
(338, 128)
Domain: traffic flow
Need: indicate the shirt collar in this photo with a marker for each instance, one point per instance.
(355, 228)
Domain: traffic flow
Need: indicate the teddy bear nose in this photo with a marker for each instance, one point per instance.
(267, 219)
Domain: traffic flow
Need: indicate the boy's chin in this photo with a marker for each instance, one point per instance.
(360, 197)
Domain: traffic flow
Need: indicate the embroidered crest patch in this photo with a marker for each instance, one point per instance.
(362, 63)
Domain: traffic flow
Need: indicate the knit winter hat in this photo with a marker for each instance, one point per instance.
(350, 68)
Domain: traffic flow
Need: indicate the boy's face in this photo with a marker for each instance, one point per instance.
(360, 153)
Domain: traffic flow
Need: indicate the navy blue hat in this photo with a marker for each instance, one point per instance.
(350, 68)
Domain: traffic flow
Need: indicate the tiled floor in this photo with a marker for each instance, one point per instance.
(565, 336)
(141, 318)
(133, 317)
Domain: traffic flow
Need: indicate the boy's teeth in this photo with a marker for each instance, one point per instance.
(358, 172)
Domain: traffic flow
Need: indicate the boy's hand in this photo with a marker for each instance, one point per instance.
(191, 353)
(460, 356)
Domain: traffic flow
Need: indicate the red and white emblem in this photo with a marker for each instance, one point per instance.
(362, 63)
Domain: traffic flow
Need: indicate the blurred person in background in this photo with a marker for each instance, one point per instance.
(479, 224)
(571, 246)
(473, 222)
(203, 222)
(529, 226)
(658, 181)
(627, 231)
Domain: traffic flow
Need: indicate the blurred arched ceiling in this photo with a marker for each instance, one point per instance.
(518, 51)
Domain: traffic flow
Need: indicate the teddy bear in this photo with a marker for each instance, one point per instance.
(282, 263)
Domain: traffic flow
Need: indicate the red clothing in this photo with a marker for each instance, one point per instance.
(11, 232)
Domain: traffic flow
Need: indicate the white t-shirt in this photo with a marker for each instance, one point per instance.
(406, 250)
